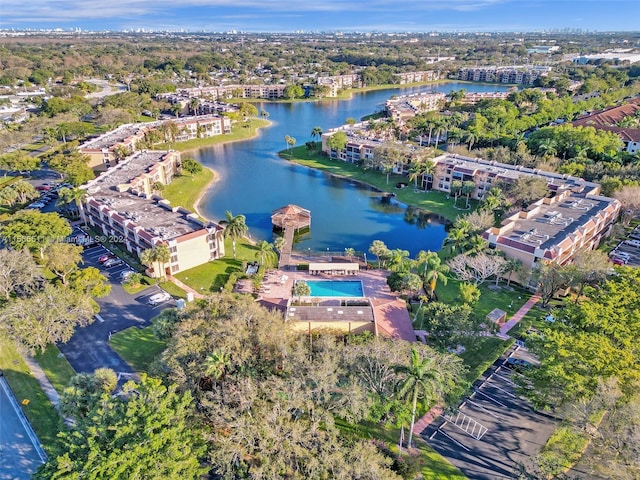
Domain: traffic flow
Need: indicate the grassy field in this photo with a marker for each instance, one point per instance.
(184, 190)
(56, 367)
(434, 202)
(138, 347)
(430, 464)
(238, 132)
(43, 416)
(210, 277)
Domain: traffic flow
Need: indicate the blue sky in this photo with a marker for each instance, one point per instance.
(322, 15)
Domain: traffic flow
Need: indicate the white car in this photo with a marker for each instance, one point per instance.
(158, 298)
(36, 205)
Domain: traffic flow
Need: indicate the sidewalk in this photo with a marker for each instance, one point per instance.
(46, 386)
(427, 419)
(513, 321)
(184, 286)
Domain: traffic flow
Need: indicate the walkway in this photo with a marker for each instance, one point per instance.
(427, 419)
(46, 386)
(287, 247)
(184, 286)
(513, 321)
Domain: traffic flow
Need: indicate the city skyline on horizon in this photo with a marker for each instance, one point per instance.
(278, 16)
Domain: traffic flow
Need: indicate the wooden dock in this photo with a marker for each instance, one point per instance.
(287, 247)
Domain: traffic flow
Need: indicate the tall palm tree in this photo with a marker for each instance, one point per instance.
(420, 379)
(236, 227)
(456, 239)
(71, 196)
(477, 244)
(316, 133)
(435, 270)
(265, 250)
(398, 260)
(468, 187)
(419, 169)
(456, 189)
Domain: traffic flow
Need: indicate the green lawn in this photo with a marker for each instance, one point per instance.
(43, 416)
(430, 464)
(563, 450)
(211, 276)
(184, 190)
(138, 347)
(56, 367)
(173, 289)
(238, 132)
(434, 202)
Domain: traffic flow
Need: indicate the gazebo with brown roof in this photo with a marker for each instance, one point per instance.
(291, 216)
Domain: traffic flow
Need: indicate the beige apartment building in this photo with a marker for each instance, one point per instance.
(418, 77)
(120, 203)
(225, 92)
(103, 151)
(554, 229)
(404, 107)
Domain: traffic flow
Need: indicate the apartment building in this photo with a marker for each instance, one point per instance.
(120, 203)
(404, 107)
(525, 75)
(484, 173)
(358, 147)
(471, 98)
(422, 76)
(104, 151)
(340, 82)
(224, 92)
(555, 229)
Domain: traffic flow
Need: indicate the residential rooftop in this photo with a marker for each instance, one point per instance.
(114, 137)
(155, 215)
(512, 172)
(554, 222)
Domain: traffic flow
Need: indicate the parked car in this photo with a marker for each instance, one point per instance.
(518, 364)
(36, 205)
(126, 275)
(158, 298)
(105, 257)
(619, 261)
(112, 262)
(43, 188)
(89, 243)
(633, 243)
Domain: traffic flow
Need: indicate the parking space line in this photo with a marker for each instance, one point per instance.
(498, 388)
(450, 437)
(486, 410)
(506, 379)
(491, 398)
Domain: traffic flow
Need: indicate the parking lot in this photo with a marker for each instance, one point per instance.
(494, 430)
(89, 349)
(627, 252)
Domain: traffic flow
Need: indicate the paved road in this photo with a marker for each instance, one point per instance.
(515, 431)
(20, 451)
(89, 347)
(108, 88)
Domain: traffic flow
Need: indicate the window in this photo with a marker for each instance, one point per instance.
(173, 249)
(174, 258)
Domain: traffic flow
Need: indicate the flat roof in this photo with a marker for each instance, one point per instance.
(555, 222)
(113, 137)
(154, 215)
(507, 171)
(362, 313)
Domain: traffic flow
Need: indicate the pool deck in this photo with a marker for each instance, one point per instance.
(390, 312)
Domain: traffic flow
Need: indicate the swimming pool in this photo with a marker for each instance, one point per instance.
(336, 288)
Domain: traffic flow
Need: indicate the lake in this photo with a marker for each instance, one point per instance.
(254, 181)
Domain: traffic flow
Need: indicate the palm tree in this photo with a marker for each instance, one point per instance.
(301, 289)
(421, 379)
(159, 255)
(468, 187)
(75, 196)
(419, 169)
(456, 189)
(477, 244)
(350, 252)
(493, 200)
(470, 138)
(316, 132)
(435, 270)
(513, 265)
(194, 105)
(236, 227)
(216, 364)
(456, 238)
(120, 152)
(398, 260)
(265, 249)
